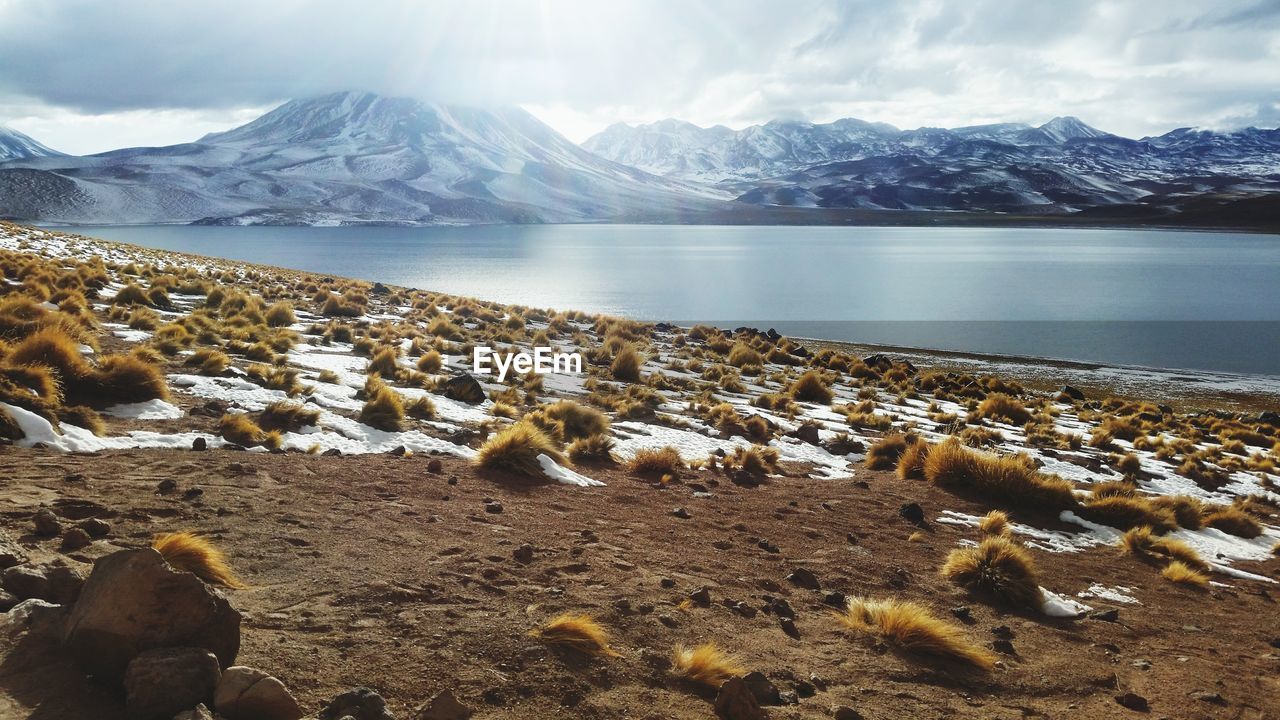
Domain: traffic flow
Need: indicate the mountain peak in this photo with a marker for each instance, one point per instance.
(19, 146)
(1066, 127)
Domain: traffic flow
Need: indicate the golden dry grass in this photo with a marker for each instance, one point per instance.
(516, 448)
(1233, 521)
(756, 460)
(995, 522)
(1124, 512)
(885, 453)
(195, 554)
(574, 420)
(999, 567)
(811, 387)
(243, 431)
(911, 461)
(626, 365)
(1142, 542)
(383, 407)
(287, 416)
(1004, 408)
(656, 461)
(998, 479)
(913, 629)
(594, 447)
(706, 664)
(1178, 572)
(578, 632)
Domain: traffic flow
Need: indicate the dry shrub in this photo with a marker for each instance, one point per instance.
(208, 361)
(192, 553)
(287, 416)
(280, 314)
(578, 632)
(1142, 542)
(383, 408)
(656, 462)
(999, 479)
(1126, 512)
(743, 355)
(911, 461)
(82, 417)
(995, 522)
(1188, 511)
(593, 447)
(911, 628)
(811, 387)
(430, 362)
(998, 567)
(421, 408)
(706, 664)
(9, 428)
(573, 420)
(243, 431)
(1233, 521)
(1178, 572)
(385, 362)
(1004, 408)
(626, 365)
(886, 452)
(516, 449)
(756, 460)
(1129, 465)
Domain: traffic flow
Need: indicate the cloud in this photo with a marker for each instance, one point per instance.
(1131, 68)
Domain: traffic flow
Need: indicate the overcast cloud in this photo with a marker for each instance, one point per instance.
(86, 76)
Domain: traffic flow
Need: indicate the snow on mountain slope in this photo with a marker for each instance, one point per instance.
(349, 157)
(16, 146)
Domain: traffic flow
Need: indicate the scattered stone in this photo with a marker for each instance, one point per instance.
(1133, 701)
(802, 577)
(1110, 615)
(1071, 392)
(667, 583)
(789, 698)
(26, 582)
(493, 507)
(806, 433)
(95, 527)
(701, 597)
(681, 513)
(844, 712)
(7, 600)
(463, 388)
(963, 613)
(166, 486)
(762, 688)
(331, 452)
(1004, 632)
(134, 601)
(399, 451)
(789, 627)
(245, 693)
(1212, 698)
(523, 554)
(780, 607)
(65, 584)
(1142, 664)
(912, 513)
(162, 682)
(836, 599)
(735, 701)
(435, 467)
(75, 538)
(444, 707)
(10, 552)
(1004, 647)
(199, 444)
(46, 523)
(805, 689)
(200, 712)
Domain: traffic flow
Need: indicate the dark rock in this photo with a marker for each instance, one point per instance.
(245, 693)
(1071, 392)
(789, 697)
(789, 627)
(681, 513)
(399, 451)
(444, 706)
(912, 512)
(360, 703)
(435, 466)
(734, 701)
(331, 452)
(380, 289)
(844, 712)
(46, 523)
(701, 597)
(95, 527)
(807, 433)
(763, 689)
(162, 682)
(166, 486)
(1004, 647)
(523, 554)
(1133, 701)
(75, 538)
(963, 613)
(781, 608)
(200, 712)
(836, 599)
(1109, 615)
(805, 689)
(134, 601)
(10, 552)
(667, 583)
(463, 388)
(7, 600)
(26, 582)
(1212, 698)
(199, 444)
(1004, 632)
(802, 577)
(65, 584)
(493, 507)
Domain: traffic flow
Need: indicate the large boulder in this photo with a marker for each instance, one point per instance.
(134, 601)
(245, 693)
(463, 388)
(162, 682)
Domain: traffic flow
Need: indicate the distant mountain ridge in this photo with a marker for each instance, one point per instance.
(16, 146)
(347, 158)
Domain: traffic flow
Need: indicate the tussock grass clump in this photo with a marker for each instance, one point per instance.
(430, 362)
(421, 408)
(887, 451)
(913, 629)
(82, 417)
(128, 379)
(999, 479)
(383, 408)
(385, 362)
(1180, 573)
(911, 461)
(573, 420)
(756, 460)
(130, 294)
(593, 447)
(1129, 465)
(811, 387)
(995, 523)
(280, 314)
(743, 355)
(706, 664)
(516, 449)
(1233, 521)
(287, 416)
(998, 567)
(243, 431)
(656, 462)
(1188, 511)
(1124, 512)
(578, 632)
(195, 554)
(1003, 408)
(1143, 542)
(626, 365)
(208, 361)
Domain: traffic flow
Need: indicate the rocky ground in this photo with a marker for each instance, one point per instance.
(398, 565)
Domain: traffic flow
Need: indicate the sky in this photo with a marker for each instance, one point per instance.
(86, 76)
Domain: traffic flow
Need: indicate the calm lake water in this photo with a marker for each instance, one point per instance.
(1201, 300)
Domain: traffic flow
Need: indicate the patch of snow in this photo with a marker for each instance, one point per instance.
(1119, 594)
(1056, 605)
(563, 474)
(150, 410)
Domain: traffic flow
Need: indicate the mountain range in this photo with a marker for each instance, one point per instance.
(351, 158)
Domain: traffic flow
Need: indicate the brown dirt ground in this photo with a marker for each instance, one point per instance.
(373, 571)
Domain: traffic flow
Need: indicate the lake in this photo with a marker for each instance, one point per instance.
(1203, 300)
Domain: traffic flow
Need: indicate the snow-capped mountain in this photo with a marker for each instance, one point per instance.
(348, 157)
(15, 146)
(1061, 166)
